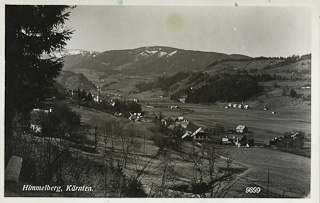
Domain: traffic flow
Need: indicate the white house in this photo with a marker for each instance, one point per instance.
(241, 129)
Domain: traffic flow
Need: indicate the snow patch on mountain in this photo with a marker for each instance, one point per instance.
(172, 53)
(162, 53)
(146, 53)
(151, 52)
(73, 52)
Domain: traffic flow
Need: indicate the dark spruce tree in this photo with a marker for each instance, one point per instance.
(30, 32)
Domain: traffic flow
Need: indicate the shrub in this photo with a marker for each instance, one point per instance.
(61, 122)
(293, 93)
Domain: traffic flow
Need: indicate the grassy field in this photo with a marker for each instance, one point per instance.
(264, 124)
(289, 174)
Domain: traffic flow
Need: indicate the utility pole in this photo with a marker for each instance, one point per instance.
(144, 144)
(98, 99)
(268, 185)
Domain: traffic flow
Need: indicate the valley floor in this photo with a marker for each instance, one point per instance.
(289, 175)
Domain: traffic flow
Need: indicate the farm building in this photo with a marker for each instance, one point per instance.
(199, 134)
(241, 129)
(226, 140)
(181, 121)
(238, 140)
(187, 134)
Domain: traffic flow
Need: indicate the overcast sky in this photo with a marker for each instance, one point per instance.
(253, 31)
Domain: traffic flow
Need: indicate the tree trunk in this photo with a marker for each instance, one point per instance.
(8, 124)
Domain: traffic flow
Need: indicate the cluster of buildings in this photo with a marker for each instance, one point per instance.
(240, 137)
(292, 140)
(135, 117)
(182, 124)
(239, 106)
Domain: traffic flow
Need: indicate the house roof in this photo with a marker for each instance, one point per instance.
(240, 127)
(185, 135)
(199, 130)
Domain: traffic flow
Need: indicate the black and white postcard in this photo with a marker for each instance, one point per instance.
(162, 101)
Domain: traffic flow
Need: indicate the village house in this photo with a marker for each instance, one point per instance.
(183, 100)
(241, 129)
(229, 139)
(199, 134)
(186, 134)
(135, 117)
(246, 140)
(37, 116)
(181, 121)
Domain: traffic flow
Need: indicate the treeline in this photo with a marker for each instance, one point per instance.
(289, 60)
(117, 106)
(145, 86)
(226, 87)
(224, 60)
(165, 82)
(264, 77)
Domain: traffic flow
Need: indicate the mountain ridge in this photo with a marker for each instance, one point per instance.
(156, 59)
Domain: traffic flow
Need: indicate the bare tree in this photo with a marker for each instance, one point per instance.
(167, 168)
(198, 165)
(128, 143)
(106, 130)
(212, 156)
(95, 124)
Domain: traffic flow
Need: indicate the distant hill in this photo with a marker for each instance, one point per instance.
(144, 60)
(70, 80)
(242, 79)
(73, 57)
